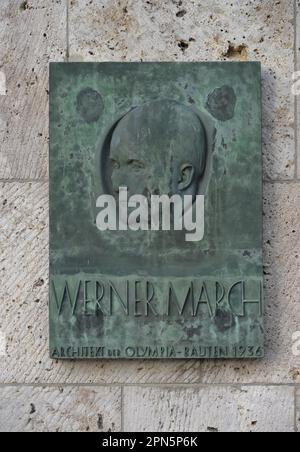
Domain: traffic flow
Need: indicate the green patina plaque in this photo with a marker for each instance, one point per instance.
(156, 210)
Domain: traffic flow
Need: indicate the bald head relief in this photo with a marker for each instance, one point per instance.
(158, 154)
(158, 148)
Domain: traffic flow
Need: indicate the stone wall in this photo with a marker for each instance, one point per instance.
(38, 394)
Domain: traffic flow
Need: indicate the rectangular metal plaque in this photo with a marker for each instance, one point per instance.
(155, 210)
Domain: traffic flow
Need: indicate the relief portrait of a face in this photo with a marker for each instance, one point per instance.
(159, 148)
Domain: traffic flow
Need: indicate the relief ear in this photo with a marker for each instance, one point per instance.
(187, 173)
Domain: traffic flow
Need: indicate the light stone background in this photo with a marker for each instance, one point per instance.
(37, 394)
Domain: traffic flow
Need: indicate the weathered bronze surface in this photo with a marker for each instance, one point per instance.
(188, 129)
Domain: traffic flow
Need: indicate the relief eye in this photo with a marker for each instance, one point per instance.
(114, 164)
(136, 164)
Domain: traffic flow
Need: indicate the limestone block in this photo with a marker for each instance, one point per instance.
(54, 409)
(209, 409)
(32, 33)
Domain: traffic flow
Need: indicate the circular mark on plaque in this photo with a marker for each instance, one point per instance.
(221, 103)
(89, 105)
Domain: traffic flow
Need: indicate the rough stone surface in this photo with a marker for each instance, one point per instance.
(214, 409)
(24, 296)
(32, 33)
(158, 30)
(69, 409)
(296, 81)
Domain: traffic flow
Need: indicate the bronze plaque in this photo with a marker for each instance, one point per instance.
(155, 210)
